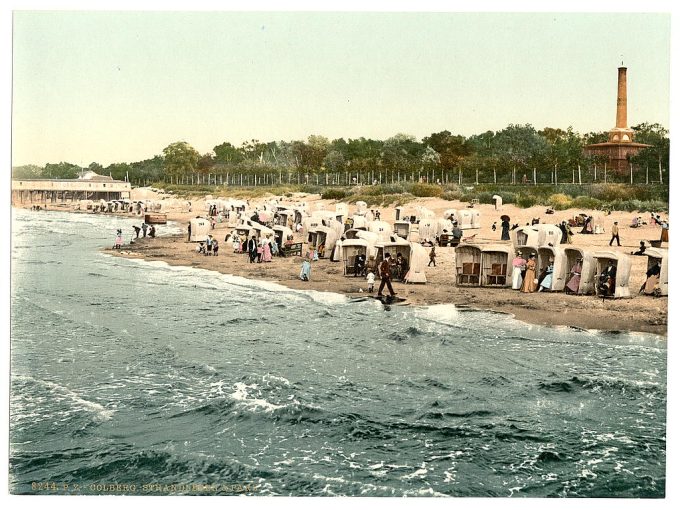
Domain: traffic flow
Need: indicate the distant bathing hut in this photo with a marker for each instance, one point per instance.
(468, 265)
(496, 266)
(428, 229)
(281, 233)
(324, 239)
(200, 228)
(580, 271)
(402, 228)
(468, 219)
(616, 286)
(357, 246)
(381, 228)
(536, 235)
(554, 255)
(657, 256)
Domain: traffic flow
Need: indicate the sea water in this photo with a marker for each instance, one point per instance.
(131, 377)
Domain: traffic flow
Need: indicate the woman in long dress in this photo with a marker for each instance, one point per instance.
(529, 285)
(505, 233)
(266, 251)
(306, 269)
(546, 283)
(518, 265)
(575, 280)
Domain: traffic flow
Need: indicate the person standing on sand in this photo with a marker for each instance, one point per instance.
(530, 281)
(189, 231)
(615, 234)
(119, 239)
(433, 257)
(215, 247)
(384, 271)
(505, 226)
(518, 267)
(266, 250)
(144, 227)
(252, 249)
(137, 229)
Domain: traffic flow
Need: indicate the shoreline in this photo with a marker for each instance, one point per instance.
(642, 314)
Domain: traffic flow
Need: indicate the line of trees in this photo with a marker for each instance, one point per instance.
(514, 151)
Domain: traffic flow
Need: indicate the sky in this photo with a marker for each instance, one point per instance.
(106, 87)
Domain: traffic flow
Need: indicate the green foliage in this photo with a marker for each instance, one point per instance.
(559, 201)
(526, 200)
(583, 202)
(27, 172)
(180, 159)
(425, 190)
(334, 194)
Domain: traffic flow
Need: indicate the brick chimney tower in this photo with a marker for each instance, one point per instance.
(621, 133)
(622, 101)
(620, 145)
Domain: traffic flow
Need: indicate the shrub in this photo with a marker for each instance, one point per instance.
(334, 194)
(586, 203)
(559, 201)
(425, 190)
(524, 200)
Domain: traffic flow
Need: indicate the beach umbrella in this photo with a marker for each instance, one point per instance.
(505, 217)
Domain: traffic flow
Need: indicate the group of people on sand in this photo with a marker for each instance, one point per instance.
(525, 275)
(258, 251)
(208, 247)
(144, 229)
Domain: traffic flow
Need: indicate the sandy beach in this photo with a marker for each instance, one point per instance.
(641, 313)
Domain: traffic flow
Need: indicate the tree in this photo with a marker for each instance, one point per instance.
(27, 172)
(659, 152)
(62, 171)
(227, 154)
(180, 159)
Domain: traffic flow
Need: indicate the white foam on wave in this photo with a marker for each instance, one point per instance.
(242, 395)
(444, 313)
(99, 410)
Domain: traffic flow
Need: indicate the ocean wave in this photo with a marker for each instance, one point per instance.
(99, 411)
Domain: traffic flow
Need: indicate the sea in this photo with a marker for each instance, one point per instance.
(138, 378)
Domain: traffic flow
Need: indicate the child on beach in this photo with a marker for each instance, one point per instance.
(119, 240)
(215, 247)
(370, 278)
(433, 257)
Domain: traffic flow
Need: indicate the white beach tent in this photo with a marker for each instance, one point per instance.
(498, 202)
(451, 214)
(281, 233)
(560, 269)
(465, 219)
(359, 221)
(381, 228)
(655, 255)
(200, 228)
(476, 218)
(418, 259)
(349, 250)
(587, 282)
(622, 264)
(323, 236)
(341, 211)
(427, 229)
(541, 234)
(444, 226)
(393, 246)
(362, 208)
(468, 265)
(402, 228)
(496, 265)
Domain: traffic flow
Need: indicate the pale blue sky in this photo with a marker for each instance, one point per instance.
(119, 87)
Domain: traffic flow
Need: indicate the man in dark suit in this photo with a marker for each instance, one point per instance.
(385, 275)
(252, 249)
